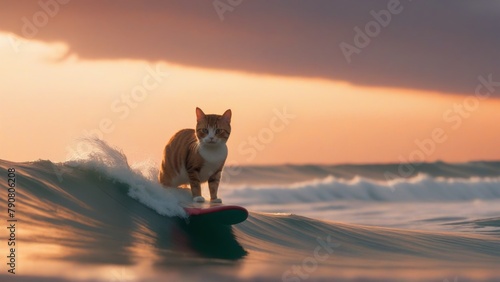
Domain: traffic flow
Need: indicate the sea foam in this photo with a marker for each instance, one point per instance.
(419, 188)
(140, 177)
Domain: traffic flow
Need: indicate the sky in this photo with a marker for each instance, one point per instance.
(309, 82)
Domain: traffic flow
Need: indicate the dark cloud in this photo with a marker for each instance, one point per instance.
(430, 45)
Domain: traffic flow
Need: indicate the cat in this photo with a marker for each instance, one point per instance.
(196, 156)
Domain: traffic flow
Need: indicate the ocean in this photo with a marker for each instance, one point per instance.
(100, 218)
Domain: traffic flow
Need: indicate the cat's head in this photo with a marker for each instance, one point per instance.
(213, 129)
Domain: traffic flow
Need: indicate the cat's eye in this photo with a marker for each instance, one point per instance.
(204, 131)
(218, 131)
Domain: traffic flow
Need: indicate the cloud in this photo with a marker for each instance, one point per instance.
(429, 45)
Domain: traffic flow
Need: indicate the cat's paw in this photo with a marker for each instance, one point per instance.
(216, 201)
(198, 199)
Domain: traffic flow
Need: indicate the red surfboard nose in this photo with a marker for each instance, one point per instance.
(217, 214)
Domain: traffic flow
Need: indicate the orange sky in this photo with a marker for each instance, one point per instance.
(51, 101)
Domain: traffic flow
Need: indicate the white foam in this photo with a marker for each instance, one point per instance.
(141, 177)
(420, 188)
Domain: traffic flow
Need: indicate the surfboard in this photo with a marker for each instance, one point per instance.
(216, 213)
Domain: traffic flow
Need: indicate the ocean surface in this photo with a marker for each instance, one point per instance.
(100, 218)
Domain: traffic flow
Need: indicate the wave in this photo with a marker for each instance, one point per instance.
(286, 174)
(100, 211)
(141, 178)
(90, 219)
(420, 188)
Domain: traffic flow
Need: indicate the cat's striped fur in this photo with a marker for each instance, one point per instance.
(196, 156)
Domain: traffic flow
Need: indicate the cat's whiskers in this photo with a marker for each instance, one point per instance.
(196, 156)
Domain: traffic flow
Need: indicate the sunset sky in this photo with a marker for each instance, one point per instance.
(133, 72)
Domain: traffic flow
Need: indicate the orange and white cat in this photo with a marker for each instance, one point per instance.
(196, 156)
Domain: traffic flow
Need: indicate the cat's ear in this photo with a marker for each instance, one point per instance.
(199, 114)
(227, 116)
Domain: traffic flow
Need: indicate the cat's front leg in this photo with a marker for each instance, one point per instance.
(213, 185)
(194, 181)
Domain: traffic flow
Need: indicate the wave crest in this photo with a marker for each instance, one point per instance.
(419, 188)
(141, 178)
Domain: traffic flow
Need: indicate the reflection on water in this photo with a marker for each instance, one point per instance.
(66, 230)
(86, 228)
